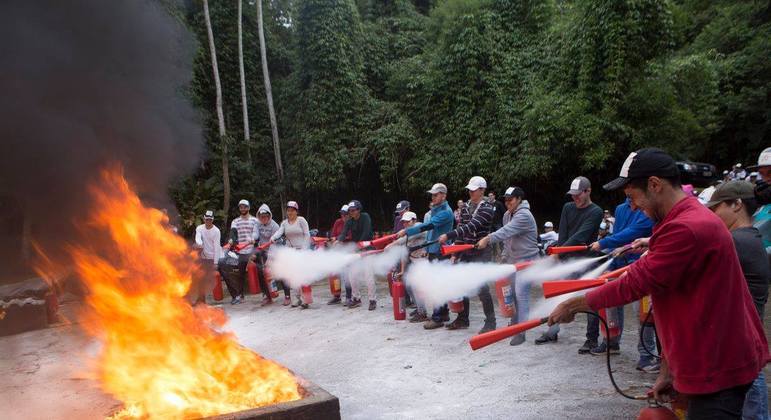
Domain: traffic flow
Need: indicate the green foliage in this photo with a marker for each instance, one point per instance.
(378, 99)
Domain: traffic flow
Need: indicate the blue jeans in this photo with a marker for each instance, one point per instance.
(593, 325)
(649, 339)
(522, 292)
(756, 401)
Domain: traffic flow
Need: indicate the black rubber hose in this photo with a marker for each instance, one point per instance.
(642, 328)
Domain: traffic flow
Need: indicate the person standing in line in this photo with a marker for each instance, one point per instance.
(630, 225)
(476, 223)
(265, 230)
(438, 221)
(734, 202)
(519, 236)
(401, 207)
(359, 226)
(579, 225)
(242, 230)
(296, 233)
(207, 240)
(549, 236)
(337, 229)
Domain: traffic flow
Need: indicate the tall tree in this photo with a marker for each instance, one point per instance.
(220, 116)
(271, 109)
(244, 106)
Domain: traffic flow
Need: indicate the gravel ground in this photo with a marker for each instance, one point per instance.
(378, 367)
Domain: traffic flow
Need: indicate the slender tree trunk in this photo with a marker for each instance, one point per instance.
(244, 107)
(271, 110)
(220, 116)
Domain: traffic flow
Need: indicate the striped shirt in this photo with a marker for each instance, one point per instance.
(476, 220)
(245, 227)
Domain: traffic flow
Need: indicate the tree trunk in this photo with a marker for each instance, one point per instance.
(244, 107)
(271, 110)
(220, 117)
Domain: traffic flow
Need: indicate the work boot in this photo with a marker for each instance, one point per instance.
(334, 301)
(603, 348)
(587, 347)
(517, 339)
(489, 326)
(432, 325)
(458, 324)
(372, 305)
(355, 303)
(418, 317)
(545, 338)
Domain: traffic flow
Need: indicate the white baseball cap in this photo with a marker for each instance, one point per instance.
(208, 215)
(548, 224)
(475, 183)
(763, 160)
(408, 215)
(344, 209)
(293, 204)
(438, 188)
(244, 203)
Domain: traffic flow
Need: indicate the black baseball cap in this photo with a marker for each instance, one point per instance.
(642, 164)
(514, 192)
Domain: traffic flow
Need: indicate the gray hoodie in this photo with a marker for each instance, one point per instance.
(262, 232)
(519, 235)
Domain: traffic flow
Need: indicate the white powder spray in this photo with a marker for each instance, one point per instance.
(436, 283)
(552, 269)
(304, 266)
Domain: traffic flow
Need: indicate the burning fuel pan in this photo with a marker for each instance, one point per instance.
(316, 404)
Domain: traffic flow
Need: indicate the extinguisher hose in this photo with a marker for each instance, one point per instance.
(607, 360)
(642, 328)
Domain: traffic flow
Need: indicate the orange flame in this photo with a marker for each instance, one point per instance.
(161, 357)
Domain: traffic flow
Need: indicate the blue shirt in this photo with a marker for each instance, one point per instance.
(440, 223)
(630, 225)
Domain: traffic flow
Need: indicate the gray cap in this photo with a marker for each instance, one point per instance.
(732, 190)
(438, 188)
(579, 184)
(402, 206)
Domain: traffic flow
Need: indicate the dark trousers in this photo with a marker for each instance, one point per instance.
(264, 285)
(235, 283)
(442, 312)
(484, 292)
(725, 404)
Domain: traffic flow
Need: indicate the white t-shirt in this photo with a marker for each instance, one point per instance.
(549, 238)
(209, 242)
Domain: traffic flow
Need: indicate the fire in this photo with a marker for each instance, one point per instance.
(161, 357)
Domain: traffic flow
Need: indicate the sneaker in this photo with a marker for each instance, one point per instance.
(651, 368)
(432, 325)
(303, 306)
(347, 303)
(237, 301)
(418, 317)
(413, 312)
(412, 305)
(233, 301)
(372, 305)
(334, 301)
(266, 301)
(545, 338)
(446, 318)
(603, 348)
(489, 326)
(517, 339)
(355, 303)
(458, 324)
(286, 301)
(587, 347)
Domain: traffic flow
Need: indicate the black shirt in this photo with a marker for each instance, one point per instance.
(754, 262)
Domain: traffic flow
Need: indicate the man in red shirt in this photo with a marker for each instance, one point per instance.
(712, 338)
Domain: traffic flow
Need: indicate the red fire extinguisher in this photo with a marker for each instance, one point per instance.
(612, 320)
(334, 286)
(390, 278)
(456, 306)
(397, 295)
(307, 294)
(252, 279)
(217, 291)
(505, 297)
(272, 283)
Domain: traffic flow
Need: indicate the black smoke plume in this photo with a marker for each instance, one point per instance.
(85, 83)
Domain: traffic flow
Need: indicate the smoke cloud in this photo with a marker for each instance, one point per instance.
(88, 83)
